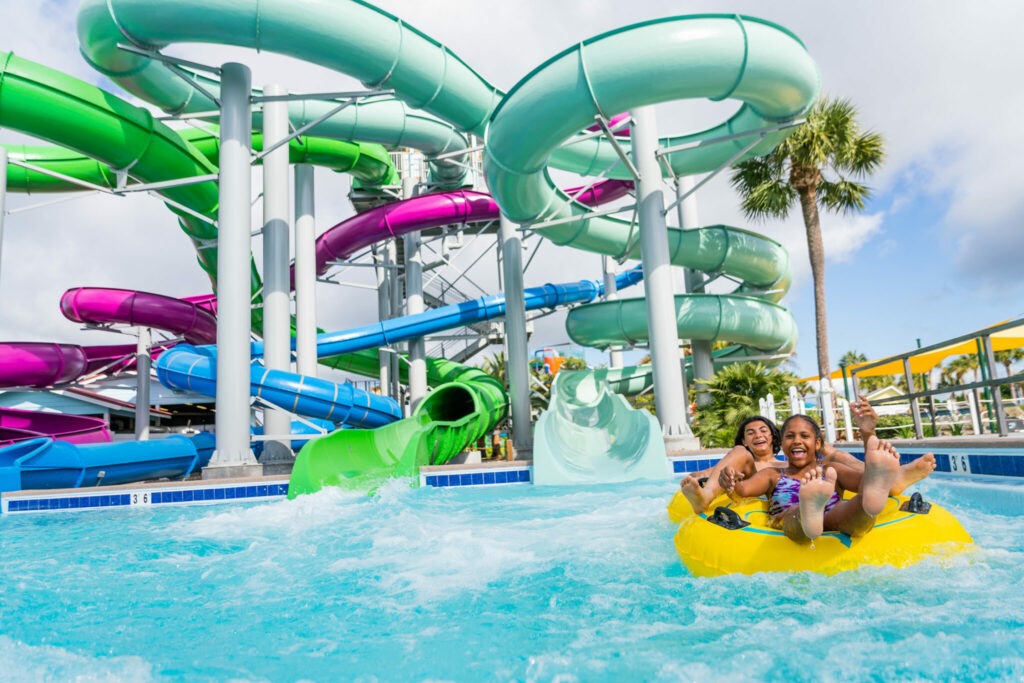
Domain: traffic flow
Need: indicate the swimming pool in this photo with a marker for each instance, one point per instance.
(522, 583)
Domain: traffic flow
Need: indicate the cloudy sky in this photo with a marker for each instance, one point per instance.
(937, 253)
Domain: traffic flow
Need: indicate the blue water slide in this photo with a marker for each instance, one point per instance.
(47, 464)
(194, 368)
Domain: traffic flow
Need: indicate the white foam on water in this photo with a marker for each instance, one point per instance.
(22, 662)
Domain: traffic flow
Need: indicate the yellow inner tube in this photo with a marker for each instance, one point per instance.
(899, 538)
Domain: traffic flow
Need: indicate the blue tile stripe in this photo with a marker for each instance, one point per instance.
(514, 476)
(144, 497)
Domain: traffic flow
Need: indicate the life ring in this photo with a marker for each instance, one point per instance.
(734, 538)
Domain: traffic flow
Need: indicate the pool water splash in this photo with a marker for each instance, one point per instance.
(522, 583)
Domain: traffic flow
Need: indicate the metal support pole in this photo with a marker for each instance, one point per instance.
(825, 403)
(396, 310)
(142, 380)
(611, 293)
(517, 362)
(305, 271)
(277, 456)
(414, 305)
(914, 408)
(700, 351)
(233, 456)
(669, 391)
(380, 257)
(997, 392)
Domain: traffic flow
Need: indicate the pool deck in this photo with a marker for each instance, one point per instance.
(998, 457)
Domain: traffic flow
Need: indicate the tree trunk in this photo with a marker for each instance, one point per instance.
(816, 252)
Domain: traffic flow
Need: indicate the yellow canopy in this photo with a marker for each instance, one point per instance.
(1010, 338)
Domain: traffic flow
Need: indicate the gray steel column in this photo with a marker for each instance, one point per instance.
(142, 366)
(233, 456)
(413, 305)
(277, 455)
(702, 363)
(611, 293)
(914, 407)
(395, 276)
(305, 272)
(669, 394)
(517, 362)
(380, 257)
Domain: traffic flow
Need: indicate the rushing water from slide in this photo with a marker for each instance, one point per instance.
(533, 584)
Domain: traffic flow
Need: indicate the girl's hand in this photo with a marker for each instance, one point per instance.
(728, 477)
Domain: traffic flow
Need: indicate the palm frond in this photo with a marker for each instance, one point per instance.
(843, 195)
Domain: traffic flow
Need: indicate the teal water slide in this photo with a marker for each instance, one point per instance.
(581, 437)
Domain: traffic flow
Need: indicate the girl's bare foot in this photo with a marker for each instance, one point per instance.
(881, 468)
(694, 493)
(913, 472)
(815, 492)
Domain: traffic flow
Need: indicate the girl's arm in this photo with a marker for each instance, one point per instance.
(759, 484)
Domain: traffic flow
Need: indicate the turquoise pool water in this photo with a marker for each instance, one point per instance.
(519, 583)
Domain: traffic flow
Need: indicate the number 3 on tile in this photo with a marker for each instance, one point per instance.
(960, 464)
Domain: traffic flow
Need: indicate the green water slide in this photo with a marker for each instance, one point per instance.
(369, 163)
(464, 405)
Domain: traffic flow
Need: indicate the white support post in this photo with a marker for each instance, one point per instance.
(380, 257)
(414, 304)
(796, 403)
(517, 361)
(701, 360)
(611, 293)
(142, 383)
(396, 310)
(828, 418)
(847, 417)
(305, 271)
(233, 456)
(277, 456)
(669, 390)
(972, 406)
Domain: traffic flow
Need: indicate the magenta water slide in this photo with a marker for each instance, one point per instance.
(432, 211)
(18, 425)
(42, 364)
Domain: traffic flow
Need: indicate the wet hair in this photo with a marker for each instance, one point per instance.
(776, 434)
(809, 420)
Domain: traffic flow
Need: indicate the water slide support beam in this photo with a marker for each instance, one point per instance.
(380, 258)
(233, 456)
(693, 281)
(276, 319)
(517, 360)
(142, 382)
(305, 271)
(611, 293)
(669, 390)
(414, 303)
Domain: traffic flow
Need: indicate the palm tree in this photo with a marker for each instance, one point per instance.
(960, 366)
(1008, 358)
(734, 391)
(816, 166)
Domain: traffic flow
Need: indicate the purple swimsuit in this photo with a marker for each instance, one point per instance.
(787, 495)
